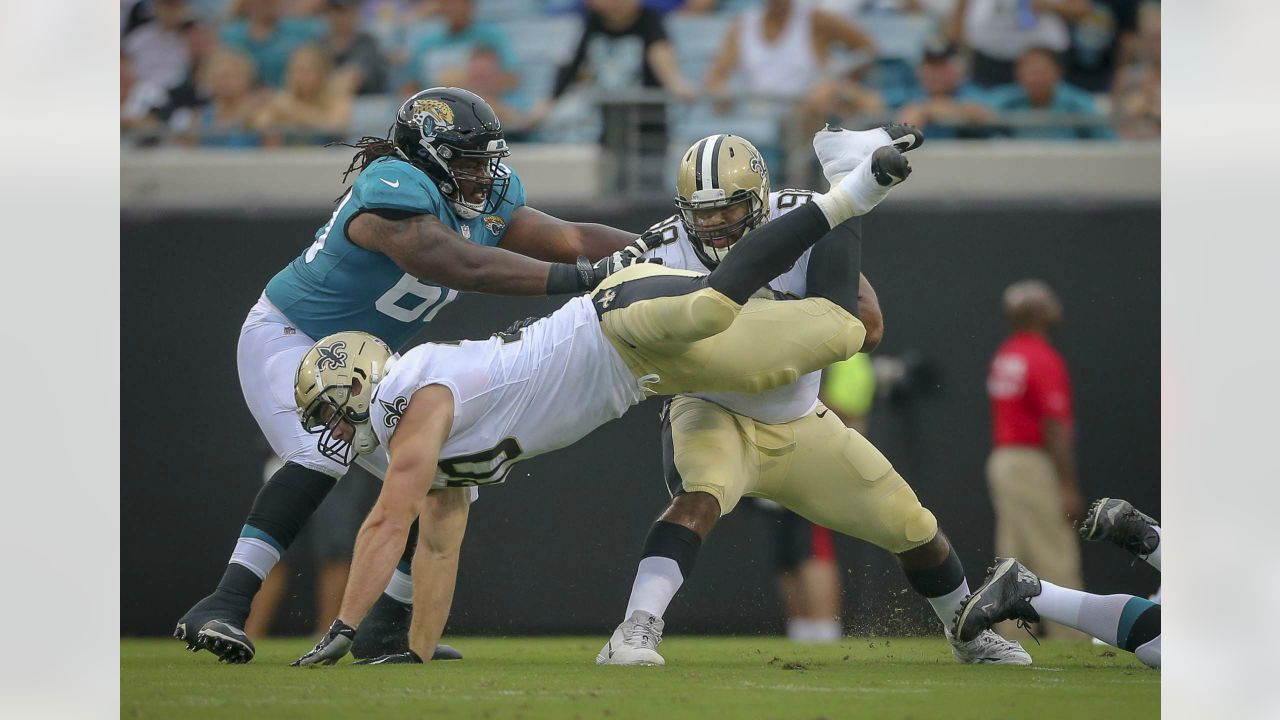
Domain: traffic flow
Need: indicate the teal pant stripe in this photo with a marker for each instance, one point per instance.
(249, 531)
(1132, 609)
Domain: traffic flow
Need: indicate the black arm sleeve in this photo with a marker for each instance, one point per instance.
(835, 264)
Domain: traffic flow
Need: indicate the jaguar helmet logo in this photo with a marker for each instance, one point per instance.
(432, 113)
(332, 356)
(495, 224)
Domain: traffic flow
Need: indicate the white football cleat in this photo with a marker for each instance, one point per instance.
(988, 648)
(635, 642)
(840, 150)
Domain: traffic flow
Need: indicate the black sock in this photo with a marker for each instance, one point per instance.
(835, 264)
(768, 251)
(287, 501)
(669, 540)
(939, 580)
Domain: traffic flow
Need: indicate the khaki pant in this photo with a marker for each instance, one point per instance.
(1030, 525)
(814, 466)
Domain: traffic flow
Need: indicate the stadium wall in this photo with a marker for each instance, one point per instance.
(192, 455)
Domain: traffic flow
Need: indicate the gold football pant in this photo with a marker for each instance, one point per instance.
(670, 324)
(814, 466)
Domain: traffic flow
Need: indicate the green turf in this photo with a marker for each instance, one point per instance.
(705, 678)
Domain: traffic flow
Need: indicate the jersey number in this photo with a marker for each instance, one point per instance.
(433, 298)
(792, 198)
(323, 235)
(482, 468)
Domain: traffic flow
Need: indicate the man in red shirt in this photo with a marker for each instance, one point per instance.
(1032, 471)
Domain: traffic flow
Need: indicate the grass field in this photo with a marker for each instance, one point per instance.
(705, 678)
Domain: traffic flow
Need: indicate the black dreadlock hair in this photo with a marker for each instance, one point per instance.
(371, 148)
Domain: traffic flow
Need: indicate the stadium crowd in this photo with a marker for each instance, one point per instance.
(267, 73)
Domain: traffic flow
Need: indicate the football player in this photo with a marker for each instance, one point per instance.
(1012, 592)
(783, 445)
(455, 416)
(433, 212)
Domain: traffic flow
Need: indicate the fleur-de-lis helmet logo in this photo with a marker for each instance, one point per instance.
(332, 356)
(394, 409)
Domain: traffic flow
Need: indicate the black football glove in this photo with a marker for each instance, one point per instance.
(408, 657)
(332, 647)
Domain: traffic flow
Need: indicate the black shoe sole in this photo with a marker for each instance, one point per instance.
(216, 638)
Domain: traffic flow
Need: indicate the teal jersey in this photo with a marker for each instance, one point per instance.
(336, 285)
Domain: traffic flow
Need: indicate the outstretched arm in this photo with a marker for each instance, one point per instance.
(414, 449)
(545, 237)
(435, 566)
(425, 248)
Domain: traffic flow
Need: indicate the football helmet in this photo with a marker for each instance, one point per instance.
(335, 382)
(454, 136)
(722, 192)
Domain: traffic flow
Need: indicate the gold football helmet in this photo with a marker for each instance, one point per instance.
(722, 192)
(335, 382)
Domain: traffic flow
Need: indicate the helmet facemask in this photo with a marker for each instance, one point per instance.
(716, 223)
(326, 414)
(470, 173)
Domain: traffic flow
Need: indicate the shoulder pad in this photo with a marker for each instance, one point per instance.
(395, 184)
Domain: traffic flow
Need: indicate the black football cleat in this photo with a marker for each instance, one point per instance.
(385, 631)
(905, 137)
(1118, 521)
(222, 607)
(229, 642)
(408, 657)
(889, 166)
(1005, 595)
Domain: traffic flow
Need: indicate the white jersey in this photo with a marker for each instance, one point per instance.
(515, 395)
(779, 405)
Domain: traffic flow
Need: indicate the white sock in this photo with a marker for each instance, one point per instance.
(1154, 558)
(856, 194)
(1149, 653)
(257, 555)
(1097, 615)
(657, 580)
(401, 587)
(841, 152)
(946, 606)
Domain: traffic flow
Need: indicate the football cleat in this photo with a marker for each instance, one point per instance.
(1119, 522)
(840, 151)
(1005, 595)
(889, 166)
(988, 648)
(227, 641)
(635, 642)
(230, 613)
(385, 631)
(408, 657)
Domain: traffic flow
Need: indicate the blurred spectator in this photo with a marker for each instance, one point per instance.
(781, 49)
(999, 31)
(228, 100)
(136, 98)
(1040, 88)
(202, 42)
(1097, 42)
(312, 104)
(1031, 472)
(449, 50)
(157, 49)
(270, 39)
(1135, 99)
(361, 68)
(484, 76)
(945, 101)
(692, 7)
(625, 47)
